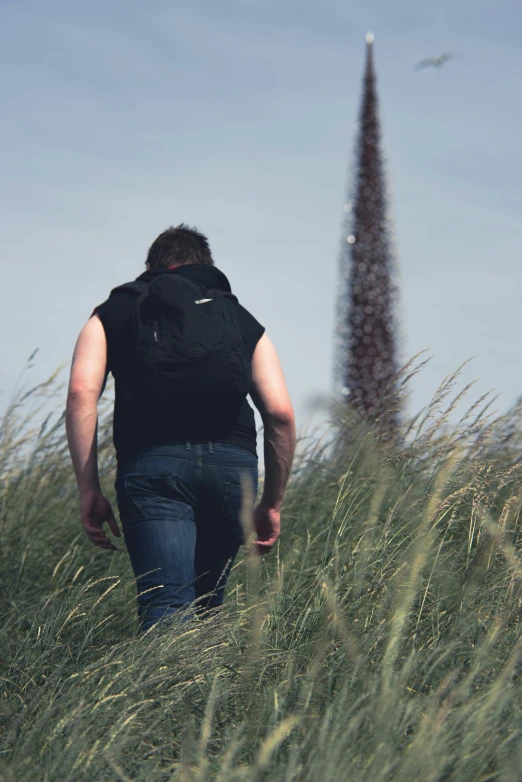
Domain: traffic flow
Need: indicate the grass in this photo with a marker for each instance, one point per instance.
(380, 641)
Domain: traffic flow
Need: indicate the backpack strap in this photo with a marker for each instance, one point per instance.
(139, 289)
(231, 298)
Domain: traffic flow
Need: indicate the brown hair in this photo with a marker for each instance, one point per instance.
(179, 246)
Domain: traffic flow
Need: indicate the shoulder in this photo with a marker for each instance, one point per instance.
(114, 311)
(115, 314)
(252, 329)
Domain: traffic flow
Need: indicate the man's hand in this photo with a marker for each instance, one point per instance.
(267, 524)
(95, 510)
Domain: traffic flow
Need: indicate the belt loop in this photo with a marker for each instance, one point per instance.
(187, 445)
(210, 447)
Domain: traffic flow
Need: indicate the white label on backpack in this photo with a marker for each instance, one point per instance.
(202, 301)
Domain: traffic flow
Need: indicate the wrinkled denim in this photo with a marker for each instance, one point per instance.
(179, 507)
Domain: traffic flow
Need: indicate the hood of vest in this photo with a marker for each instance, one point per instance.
(201, 274)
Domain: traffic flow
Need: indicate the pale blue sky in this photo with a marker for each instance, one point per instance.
(121, 118)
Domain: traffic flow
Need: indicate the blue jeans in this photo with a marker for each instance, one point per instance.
(180, 507)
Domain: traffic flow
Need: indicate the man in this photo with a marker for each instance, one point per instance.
(183, 456)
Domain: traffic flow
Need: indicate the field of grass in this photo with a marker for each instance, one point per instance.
(380, 641)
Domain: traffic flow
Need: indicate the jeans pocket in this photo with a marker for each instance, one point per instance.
(154, 493)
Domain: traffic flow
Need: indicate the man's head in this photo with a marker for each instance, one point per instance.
(179, 246)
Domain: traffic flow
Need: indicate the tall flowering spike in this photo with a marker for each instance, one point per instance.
(367, 332)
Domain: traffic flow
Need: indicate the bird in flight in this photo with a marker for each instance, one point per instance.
(436, 62)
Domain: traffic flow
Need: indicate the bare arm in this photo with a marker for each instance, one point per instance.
(81, 415)
(270, 396)
(81, 422)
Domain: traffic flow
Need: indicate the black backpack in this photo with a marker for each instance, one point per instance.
(188, 342)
